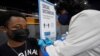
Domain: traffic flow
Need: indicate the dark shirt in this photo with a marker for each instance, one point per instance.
(30, 48)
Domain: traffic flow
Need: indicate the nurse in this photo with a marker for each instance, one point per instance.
(83, 38)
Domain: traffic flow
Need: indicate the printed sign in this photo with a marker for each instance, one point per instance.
(47, 17)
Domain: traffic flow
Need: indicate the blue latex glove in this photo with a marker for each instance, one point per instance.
(48, 42)
(44, 52)
(43, 43)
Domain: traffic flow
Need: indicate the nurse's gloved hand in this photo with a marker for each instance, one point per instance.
(43, 43)
(48, 42)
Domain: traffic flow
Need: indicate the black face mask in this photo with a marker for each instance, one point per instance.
(20, 35)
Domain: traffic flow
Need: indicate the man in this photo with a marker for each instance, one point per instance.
(84, 34)
(18, 43)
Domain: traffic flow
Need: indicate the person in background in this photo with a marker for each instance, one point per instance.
(83, 37)
(2, 34)
(18, 43)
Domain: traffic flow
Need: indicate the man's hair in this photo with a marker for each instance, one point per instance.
(6, 16)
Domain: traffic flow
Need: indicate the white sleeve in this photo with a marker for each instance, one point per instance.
(84, 34)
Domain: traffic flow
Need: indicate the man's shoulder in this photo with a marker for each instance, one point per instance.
(32, 41)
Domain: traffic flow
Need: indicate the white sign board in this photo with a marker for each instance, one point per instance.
(47, 17)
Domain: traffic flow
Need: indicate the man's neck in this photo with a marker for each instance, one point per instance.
(14, 44)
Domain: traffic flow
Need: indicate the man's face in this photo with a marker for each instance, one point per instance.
(16, 23)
